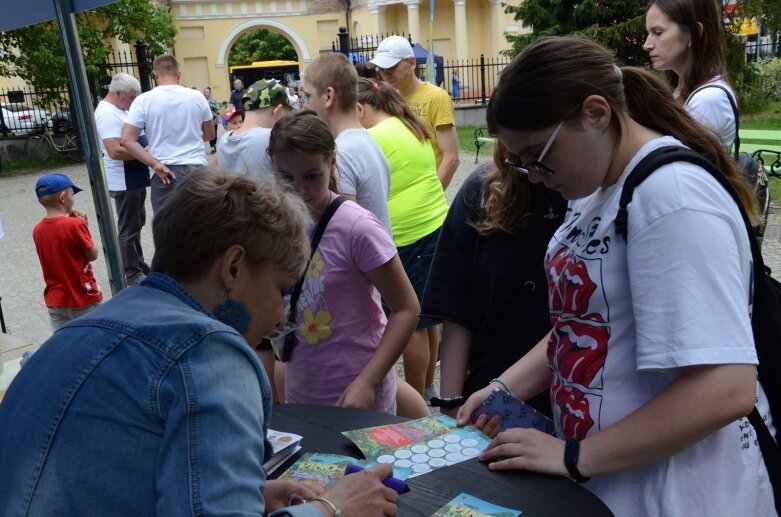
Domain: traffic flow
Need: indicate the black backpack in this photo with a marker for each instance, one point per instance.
(754, 171)
(766, 315)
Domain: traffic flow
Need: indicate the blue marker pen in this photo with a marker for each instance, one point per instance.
(396, 484)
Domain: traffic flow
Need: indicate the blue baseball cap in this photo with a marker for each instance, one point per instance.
(51, 183)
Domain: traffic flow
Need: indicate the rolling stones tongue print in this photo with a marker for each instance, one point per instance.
(578, 345)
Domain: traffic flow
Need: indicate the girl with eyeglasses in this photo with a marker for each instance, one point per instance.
(650, 364)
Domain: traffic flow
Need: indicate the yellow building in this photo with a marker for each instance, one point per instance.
(463, 29)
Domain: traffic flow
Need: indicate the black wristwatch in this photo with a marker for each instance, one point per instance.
(571, 450)
(447, 402)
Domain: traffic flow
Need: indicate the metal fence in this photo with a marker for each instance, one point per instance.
(26, 111)
(758, 50)
(466, 80)
(469, 81)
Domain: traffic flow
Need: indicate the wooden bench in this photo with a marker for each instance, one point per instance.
(769, 144)
(764, 145)
(482, 138)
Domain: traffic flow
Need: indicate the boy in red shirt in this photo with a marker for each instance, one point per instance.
(65, 249)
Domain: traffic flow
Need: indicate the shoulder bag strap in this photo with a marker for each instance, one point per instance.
(315, 241)
(735, 112)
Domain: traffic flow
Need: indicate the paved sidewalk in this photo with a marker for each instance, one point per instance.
(21, 283)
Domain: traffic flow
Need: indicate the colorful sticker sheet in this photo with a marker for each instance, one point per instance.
(420, 445)
(319, 471)
(465, 505)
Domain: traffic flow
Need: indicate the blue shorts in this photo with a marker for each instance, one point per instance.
(416, 259)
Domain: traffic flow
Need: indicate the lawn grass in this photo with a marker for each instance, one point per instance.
(25, 163)
(775, 190)
(466, 141)
(769, 118)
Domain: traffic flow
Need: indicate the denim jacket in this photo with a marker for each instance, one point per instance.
(146, 406)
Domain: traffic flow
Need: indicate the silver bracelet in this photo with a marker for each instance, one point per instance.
(504, 385)
(337, 511)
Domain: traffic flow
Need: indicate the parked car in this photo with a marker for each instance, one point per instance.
(23, 120)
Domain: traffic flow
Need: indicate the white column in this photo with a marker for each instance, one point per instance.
(413, 21)
(462, 43)
(497, 27)
(377, 15)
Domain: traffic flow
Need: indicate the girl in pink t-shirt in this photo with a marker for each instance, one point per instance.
(345, 348)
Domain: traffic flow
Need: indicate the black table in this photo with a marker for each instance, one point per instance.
(533, 494)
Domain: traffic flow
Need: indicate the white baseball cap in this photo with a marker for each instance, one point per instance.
(392, 50)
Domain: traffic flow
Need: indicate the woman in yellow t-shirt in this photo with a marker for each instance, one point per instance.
(416, 204)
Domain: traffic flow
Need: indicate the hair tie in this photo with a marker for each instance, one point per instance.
(376, 86)
(619, 73)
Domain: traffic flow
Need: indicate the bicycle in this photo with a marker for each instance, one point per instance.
(41, 146)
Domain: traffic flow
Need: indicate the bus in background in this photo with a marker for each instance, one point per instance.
(276, 69)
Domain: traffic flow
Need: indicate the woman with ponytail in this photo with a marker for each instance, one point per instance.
(686, 41)
(650, 363)
(417, 208)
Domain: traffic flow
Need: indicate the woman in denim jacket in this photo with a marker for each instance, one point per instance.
(155, 404)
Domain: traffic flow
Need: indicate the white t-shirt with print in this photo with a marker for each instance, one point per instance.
(711, 107)
(688, 283)
(173, 118)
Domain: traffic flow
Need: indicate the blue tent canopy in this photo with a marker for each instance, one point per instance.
(30, 12)
(421, 56)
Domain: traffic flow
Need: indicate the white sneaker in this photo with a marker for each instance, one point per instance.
(430, 393)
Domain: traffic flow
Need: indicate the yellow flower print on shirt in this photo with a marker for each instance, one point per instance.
(315, 266)
(315, 327)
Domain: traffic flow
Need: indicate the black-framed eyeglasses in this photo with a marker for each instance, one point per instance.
(536, 166)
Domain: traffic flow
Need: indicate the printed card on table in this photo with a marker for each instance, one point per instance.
(281, 441)
(465, 505)
(514, 413)
(420, 445)
(319, 471)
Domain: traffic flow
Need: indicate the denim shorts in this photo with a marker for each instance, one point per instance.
(416, 259)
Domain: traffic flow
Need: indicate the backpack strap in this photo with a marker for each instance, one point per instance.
(771, 453)
(736, 142)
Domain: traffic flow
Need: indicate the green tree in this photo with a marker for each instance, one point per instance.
(617, 24)
(261, 45)
(620, 24)
(35, 53)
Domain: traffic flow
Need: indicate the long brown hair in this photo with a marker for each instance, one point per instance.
(540, 88)
(504, 197)
(383, 97)
(707, 47)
